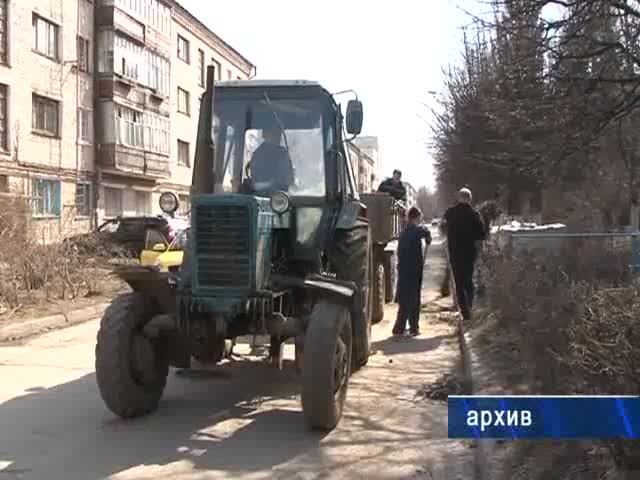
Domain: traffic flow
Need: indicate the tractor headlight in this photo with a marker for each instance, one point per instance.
(280, 202)
(169, 202)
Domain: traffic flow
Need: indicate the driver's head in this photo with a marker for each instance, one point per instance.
(272, 135)
(397, 176)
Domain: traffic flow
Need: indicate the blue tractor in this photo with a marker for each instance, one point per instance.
(280, 245)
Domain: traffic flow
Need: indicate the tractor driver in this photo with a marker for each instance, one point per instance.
(270, 165)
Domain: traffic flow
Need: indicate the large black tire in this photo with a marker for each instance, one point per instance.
(128, 389)
(326, 369)
(351, 258)
(390, 277)
(379, 288)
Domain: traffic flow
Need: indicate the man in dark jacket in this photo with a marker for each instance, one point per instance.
(394, 186)
(465, 231)
(270, 166)
(410, 267)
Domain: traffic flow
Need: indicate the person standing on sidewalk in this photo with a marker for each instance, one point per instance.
(465, 231)
(410, 267)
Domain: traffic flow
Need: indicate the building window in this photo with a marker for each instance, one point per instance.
(185, 204)
(183, 154)
(157, 72)
(45, 37)
(156, 133)
(83, 54)
(46, 198)
(112, 202)
(183, 102)
(45, 115)
(143, 203)
(105, 51)
(83, 200)
(229, 75)
(129, 125)
(218, 69)
(85, 125)
(203, 72)
(4, 123)
(183, 49)
(4, 47)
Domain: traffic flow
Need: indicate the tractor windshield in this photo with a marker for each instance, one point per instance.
(265, 145)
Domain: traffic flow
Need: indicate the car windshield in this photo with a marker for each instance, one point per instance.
(271, 145)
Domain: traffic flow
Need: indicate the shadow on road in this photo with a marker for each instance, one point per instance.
(215, 423)
(404, 345)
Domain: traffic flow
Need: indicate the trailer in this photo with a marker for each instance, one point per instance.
(387, 218)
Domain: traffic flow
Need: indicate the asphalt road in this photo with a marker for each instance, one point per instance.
(239, 421)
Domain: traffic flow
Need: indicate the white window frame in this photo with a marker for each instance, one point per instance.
(184, 105)
(85, 125)
(129, 127)
(51, 201)
(184, 162)
(40, 101)
(4, 33)
(84, 54)
(86, 200)
(108, 214)
(4, 117)
(147, 208)
(183, 49)
(46, 37)
(202, 74)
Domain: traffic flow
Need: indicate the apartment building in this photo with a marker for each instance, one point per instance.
(46, 103)
(369, 146)
(152, 59)
(412, 194)
(363, 168)
(99, 105)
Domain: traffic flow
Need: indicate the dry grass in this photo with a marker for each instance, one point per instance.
(33, 274)
(572, 314)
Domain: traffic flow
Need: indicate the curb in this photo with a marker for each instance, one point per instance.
(483, 448)
(37, 326)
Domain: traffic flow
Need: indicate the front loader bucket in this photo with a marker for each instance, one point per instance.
(150, 282)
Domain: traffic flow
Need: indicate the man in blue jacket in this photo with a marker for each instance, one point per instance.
(410, 267)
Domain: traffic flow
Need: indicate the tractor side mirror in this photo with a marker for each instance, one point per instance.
(354, 117)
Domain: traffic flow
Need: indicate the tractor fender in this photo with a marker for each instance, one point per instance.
(150, 282)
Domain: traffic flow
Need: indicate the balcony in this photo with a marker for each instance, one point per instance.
(134, 162)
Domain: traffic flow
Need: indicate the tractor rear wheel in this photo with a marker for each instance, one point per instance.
(351, 258)
(131, 368)
(326, 368)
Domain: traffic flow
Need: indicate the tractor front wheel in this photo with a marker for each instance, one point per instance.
(326, 369)
(131, 368)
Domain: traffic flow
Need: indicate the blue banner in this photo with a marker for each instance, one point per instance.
(554, 417)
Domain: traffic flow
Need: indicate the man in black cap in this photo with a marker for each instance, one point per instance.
(394, 186)
(410, 267)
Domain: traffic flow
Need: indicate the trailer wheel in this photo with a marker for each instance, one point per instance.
(326, 369)
(131, 369)
(378, 293)
(390, 277)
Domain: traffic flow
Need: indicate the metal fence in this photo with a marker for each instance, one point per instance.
(621, 246)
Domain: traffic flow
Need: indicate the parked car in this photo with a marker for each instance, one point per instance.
(167, 258)
(124, 235)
